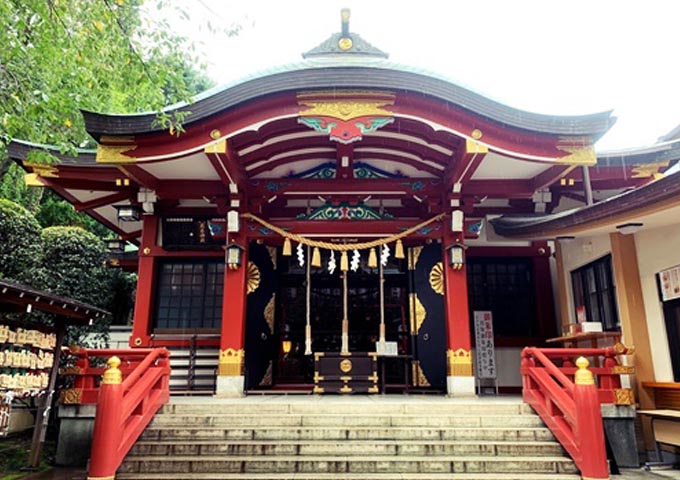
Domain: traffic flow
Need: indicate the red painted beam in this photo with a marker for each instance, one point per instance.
(102, 201)
(378, 186)
(499, 188)
(271, 165)
(334, 228)
(141, 176)
(551, 175)
(466, 160)
(421, 166)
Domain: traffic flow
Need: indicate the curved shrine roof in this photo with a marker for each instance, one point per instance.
(339, 72)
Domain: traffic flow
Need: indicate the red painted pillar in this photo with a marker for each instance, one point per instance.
(589, 430)
(108, 425)
(230, 380)
(146, 278)
(460, 379)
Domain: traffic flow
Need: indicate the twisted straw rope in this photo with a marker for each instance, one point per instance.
(342, 247)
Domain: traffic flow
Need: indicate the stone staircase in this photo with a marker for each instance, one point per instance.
(315, 438)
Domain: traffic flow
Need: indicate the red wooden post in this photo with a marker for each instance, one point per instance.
(146, 272)
(230, 380)
(589, 428)
(108, 426)
(460, 379)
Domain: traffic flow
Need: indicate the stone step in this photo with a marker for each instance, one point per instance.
(425, 407)
(346, 433)
(400, 420)
(346, 447)
(354, 464)
(350, 476)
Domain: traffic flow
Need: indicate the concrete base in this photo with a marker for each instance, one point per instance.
(619, 427)
(460, 386)
(76, 423)
(228, 386)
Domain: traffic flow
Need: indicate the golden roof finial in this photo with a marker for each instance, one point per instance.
(344, 16)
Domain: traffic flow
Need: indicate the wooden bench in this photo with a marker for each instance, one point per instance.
(665, 419)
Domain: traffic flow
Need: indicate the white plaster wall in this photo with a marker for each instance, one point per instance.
(577, 253)
(657, 249)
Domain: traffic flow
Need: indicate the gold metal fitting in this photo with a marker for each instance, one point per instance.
(583, 376)
(113, 375)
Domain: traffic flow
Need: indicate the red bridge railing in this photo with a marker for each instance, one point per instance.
(568, 398)
(133, 388)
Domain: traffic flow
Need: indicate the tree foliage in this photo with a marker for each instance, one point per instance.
(20, 242)
(74, 266)
(61, 56)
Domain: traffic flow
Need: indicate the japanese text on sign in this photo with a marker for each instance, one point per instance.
(484, 351)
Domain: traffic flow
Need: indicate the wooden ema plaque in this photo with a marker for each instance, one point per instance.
(355, 372)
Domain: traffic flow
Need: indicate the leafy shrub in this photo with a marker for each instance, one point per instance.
(74, 266)
(20, 242)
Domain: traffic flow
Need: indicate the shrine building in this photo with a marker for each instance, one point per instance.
(338, 208)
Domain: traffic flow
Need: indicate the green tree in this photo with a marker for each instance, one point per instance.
(20, 242)
(59, 57)
(74, 266)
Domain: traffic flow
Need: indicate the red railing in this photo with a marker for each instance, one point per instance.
(128, 398)
(568, 398)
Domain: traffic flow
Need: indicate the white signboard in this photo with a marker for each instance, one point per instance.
(670, 283)
(389, 351)
(484, 352)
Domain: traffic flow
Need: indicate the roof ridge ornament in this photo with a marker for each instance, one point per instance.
(345, 42)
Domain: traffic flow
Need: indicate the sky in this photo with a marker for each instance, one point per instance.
(550, 56)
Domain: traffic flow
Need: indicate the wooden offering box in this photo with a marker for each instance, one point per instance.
(354, 372)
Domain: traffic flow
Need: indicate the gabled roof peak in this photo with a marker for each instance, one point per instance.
(345, 43)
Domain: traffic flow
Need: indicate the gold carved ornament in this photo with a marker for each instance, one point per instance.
(272, 251)
(267, 379)
(252, 278)
(419, 378)
(580, 151)
(231, 362)
(269, 313)
(115, 154)
(417, 313)
(413, 256)
(346, 365)
(351, 106)
(437, 278)
(624, 396)
(70, 396)
(459, 362)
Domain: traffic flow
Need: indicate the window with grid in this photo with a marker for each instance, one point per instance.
(505, 287)
(594, 291)
(189, 295)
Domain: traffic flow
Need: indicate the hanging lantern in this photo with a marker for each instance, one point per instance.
(286, 346)
(287, 248)
(344, 262)
(457, 256)
(316, 257)
(233, 259)
(372, 259)
(399, 250)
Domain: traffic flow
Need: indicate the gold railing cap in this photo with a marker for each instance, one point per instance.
(583, 376)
